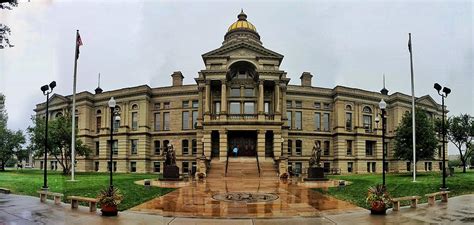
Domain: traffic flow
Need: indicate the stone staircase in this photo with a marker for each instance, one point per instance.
(243, 167)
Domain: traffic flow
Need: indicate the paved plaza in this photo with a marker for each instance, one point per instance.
(26, 210)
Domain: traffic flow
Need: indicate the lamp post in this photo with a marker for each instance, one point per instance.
(383, 106)
(443, 95)
(112, 103)
(46, 91)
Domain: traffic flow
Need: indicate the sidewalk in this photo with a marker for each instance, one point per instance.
(26, 210)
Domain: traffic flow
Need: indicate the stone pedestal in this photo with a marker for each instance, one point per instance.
(171, 173)
(316, 174)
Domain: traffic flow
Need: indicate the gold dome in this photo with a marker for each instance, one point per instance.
(242, 23)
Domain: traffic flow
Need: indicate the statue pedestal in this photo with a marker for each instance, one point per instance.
(171, 173)
(315, 174)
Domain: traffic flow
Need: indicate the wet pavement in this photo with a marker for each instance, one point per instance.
(26, 210)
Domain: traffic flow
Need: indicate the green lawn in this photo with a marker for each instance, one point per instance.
(27, 182)
(401, 185)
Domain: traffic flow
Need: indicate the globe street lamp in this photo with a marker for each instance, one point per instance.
(46, 91)
(383, 106)
(446, 92)
(112, 104)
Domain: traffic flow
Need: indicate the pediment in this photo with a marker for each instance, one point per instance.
(427, 100)
(242, 49)
(58, 99)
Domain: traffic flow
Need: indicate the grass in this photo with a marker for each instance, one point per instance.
(27, 182)
(400, 185)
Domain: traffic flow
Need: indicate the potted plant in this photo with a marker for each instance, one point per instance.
(109, 199)
(378, 199)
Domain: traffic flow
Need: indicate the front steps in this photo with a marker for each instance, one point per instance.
(243, 167)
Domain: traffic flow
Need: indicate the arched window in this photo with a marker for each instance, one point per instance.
(59, 114)
(367, 109)
(194, 146)
(367, 119)
(348, 108)
(134, 107)
(299, 147)
(242, 70)
(98, 112)
(185, 147)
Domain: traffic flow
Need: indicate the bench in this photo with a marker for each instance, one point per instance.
(396, 201)
(5, 190)
(76, 199)
(44, 196)
(432, 197)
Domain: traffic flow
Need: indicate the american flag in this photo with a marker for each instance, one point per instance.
(78, 43)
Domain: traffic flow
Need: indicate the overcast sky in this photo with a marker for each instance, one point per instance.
(350, 43)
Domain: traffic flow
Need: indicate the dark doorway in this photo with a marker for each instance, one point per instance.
(215, 143)
(269, 144)
(246, 142)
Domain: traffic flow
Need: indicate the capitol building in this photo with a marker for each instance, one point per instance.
(241, 98)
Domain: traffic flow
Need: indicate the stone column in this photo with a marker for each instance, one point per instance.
(200, 117)
(208, 97)
(277, 145)
(223, 145)
(283, 99)
(261, 144)
(223, 99)
(207, 144)
(260, 97)
(277, 97)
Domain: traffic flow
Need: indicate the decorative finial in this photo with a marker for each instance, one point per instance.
(98, 90)
(384, 91)
(242, 15)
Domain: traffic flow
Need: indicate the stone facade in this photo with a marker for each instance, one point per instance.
(241, 98)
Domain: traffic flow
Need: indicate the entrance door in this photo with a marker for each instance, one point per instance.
(269, 144)
(215, 143)
(245, 141)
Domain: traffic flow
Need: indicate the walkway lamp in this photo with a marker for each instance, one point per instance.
(46, 91)
(113, 115)
(443, 95)
(383, 106)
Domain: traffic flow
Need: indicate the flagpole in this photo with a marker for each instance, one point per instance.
(73, 135)
(412, 107)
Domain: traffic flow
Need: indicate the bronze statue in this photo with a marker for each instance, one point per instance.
(170, 156)
(315, 159)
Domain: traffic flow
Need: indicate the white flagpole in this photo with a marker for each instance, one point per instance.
(412, 107)
(73, 135)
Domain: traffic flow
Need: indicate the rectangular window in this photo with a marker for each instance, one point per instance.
(116, 125)
(114, 147)
(133, 167)
(156, 167)
(326, 121)
(298, 120)
(288, 115)
(194, 147)
(374, 167)
(166, 105)
(77, 122)
(98, 124)
(290, 167)
(349, 147)
(157, 122)
(96, 166)
(166, 121)
(113, 165)
(157, 106)
(367, 120)
(217, 107)
(195, 104)
(235, 92)
(290, 147)
(350, 167)
(267, 107)
(288, 104)
(195, 117)
(386, 167)
(249, 92)
(298, 168)
(317, 105)
(369, 148)
(185, 120)
(327, 106)
(326, 167)
(235, 108)
(134, 146)
(185, 147)
(97, 148)
(317, 121)
(299, 147)
(408, 166)
(185, 167)
(326, 148)
(157, 148)
(134, 120)
(249, 108)
(348, 121)
(185, 104)
(298, 104)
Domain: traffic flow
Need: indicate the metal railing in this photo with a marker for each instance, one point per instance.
(258, 164)
(242, 117)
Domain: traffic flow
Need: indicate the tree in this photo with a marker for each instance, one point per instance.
(5, 31)
(10, 141)
(426, 142)
(59, 140)
(460, 132)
